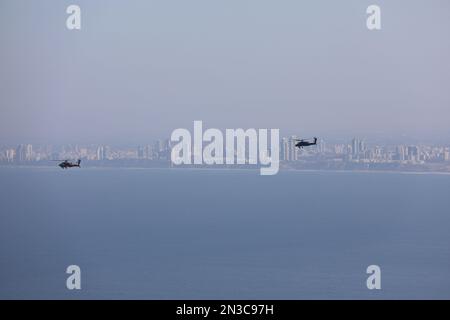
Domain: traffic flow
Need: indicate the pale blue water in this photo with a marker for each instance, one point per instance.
(204, 234)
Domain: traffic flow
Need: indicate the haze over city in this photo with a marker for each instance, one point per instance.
(135, 73)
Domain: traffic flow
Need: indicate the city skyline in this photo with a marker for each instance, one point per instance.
(356, 154)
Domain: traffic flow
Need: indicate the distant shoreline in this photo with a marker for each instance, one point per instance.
(282, 170)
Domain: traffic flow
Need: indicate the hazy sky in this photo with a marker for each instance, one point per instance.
(139, 69)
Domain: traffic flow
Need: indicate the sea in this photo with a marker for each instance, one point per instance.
(177, 233)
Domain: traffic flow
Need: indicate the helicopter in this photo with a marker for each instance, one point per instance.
(300, 143)
(67, 164)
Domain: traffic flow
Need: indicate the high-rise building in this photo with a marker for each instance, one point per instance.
(321, 146)
(10, 155)
(378, 153)
(19, 154)
(339, 149)
(446, 155)
(101, 155)
(285, 149)
(167, 145)
(24, 152)
(148, 152)
(28, 152)
(107, 152)
(159, 146)
(401, 154)
(413, 153)
(355, 147)
(140, 152)
(362, 146)
(293, 150)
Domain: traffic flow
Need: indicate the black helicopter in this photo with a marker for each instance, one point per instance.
(300, 143)
(67, 164)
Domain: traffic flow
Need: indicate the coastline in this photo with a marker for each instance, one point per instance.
(236, 169)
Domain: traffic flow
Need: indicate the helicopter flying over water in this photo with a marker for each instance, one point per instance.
(300, 143)
(65, 164)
